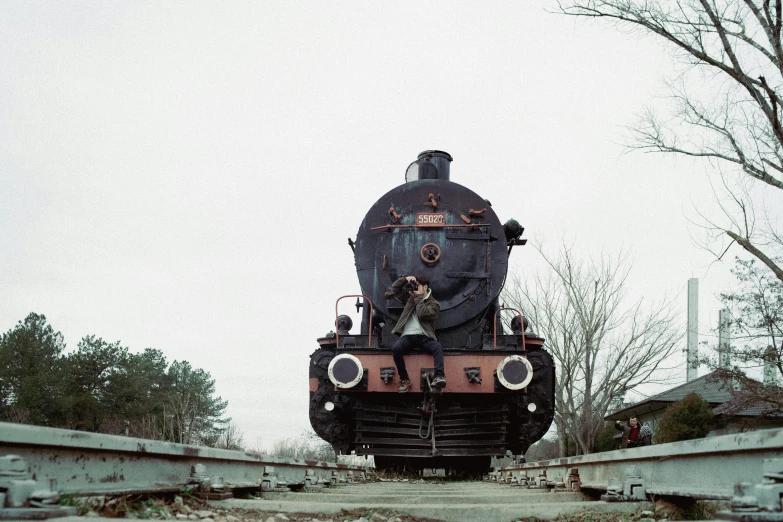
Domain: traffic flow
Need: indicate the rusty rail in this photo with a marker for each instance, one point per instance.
(92, 463)
(706, 468)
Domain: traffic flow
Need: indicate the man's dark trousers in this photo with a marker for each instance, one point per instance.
(407, 343)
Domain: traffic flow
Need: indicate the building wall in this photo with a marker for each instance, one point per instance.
(651, 419)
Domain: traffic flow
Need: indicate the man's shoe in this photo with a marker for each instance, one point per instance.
(439, 381)
(405, 385)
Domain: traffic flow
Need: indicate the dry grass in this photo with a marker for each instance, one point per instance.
(168, 507)
(662, 510)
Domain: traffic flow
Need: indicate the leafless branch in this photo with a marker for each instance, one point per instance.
(603, 343)
(735, 120)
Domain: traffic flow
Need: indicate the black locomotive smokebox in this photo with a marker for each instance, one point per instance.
(427, 227)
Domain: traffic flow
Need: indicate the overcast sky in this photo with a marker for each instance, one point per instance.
(185, 175)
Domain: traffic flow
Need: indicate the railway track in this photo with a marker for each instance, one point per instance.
(40, 465)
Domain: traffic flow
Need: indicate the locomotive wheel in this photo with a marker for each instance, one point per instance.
(326, 420)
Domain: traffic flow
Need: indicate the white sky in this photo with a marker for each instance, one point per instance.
(185, 175)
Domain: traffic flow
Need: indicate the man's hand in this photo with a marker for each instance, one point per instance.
(412, 279)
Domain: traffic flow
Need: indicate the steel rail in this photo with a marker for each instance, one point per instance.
(37, 464)
(91, 463)
(706, 468)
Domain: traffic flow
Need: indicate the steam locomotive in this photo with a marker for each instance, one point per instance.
(501, 380)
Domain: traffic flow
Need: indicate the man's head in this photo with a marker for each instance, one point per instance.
(424, 283)
(633, 422)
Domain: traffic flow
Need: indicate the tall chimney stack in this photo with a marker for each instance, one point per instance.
(693, 330)
(724, 340)
(770, 369)
(434, 164)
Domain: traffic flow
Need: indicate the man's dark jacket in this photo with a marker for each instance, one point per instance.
(426, 307)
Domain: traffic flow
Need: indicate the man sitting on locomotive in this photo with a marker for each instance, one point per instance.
(416, 327)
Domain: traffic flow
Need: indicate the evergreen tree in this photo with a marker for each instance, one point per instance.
(91, 374)
(686, 419)
(103, 387)
(606, 441)
(193, 414)
(30, 373)
(139, 393)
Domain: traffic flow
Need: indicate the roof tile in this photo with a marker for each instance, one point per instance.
(711, 387)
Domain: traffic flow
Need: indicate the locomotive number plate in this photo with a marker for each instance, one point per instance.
(431, 220)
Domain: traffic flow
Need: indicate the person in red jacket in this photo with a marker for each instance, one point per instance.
(630, 432)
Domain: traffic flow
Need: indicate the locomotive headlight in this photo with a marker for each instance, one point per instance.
(515, 372)
(345, 371)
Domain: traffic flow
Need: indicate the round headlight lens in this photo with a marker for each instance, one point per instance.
(515, 372)
(345, 371)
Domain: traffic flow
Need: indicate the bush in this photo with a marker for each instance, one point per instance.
(605, 440)
(689, 418)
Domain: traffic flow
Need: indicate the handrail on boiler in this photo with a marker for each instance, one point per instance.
(337, 314)
(495, 326)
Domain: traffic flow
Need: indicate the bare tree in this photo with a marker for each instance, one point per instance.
(231, 438)
(307, 446)
(757, 317)
(756, 325)
(19, 415)
(727, 103)
(193, 410)
(603, 343)
(148, 426)
(544, 449)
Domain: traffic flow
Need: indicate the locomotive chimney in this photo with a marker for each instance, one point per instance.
(434, 164)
